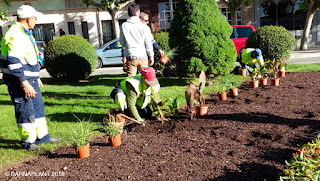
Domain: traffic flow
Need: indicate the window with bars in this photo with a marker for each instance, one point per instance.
(85, 30)
(226, 13)
(71, 29)
(44, 32)
(164, 14)
(107, 29)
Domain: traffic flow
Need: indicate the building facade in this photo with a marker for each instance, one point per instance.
(71, 16)
(95, 24)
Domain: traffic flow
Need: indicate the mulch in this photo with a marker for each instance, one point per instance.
(248, 137)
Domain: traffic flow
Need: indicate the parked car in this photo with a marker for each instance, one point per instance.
(109, 54)
(41, 46)
(240, 35)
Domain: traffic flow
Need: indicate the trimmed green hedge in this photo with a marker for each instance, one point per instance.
(275, 42)
(70, 58)
(202, 38)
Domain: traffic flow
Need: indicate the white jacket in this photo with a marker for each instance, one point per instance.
(137, 39)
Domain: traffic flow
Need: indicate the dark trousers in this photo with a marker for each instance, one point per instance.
(27, 109)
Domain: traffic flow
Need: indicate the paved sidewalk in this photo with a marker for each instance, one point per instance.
(310, 56)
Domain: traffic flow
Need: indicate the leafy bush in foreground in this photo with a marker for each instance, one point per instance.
(70, 58)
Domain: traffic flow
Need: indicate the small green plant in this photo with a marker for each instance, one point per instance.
(80, 135)
(174, 107)
(262, 71)
(232, 85)
(274, 66)
(253, 72)
(283, 65)
(157, 105)
(305, 163)
(109, 126)
(220, 87)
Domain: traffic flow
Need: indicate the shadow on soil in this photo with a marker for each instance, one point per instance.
(266, 118)
(249, 172)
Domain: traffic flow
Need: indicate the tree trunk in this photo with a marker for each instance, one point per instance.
(306, 30)
(233, 19)
(115, 23)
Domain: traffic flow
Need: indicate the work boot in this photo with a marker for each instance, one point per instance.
(55, 140)
(34, 147)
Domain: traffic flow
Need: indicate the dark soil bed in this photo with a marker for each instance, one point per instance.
(244, 138)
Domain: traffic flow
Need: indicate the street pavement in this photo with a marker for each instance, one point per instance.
(310, 56)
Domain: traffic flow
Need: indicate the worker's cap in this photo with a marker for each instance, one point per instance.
(149, 76)
(257, 53)
(26, 11)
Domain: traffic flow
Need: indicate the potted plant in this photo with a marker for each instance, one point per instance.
(253, 75)
(264, 78)
(221, 89)
(233, 86)
(191, 94)
(274, 65)
(194, 95)
(113, 129)
(80, 138)
(201, 108)
(282, 67)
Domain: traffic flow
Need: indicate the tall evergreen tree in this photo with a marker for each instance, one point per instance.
(202, 38)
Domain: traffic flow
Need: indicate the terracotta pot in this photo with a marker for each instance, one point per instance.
(201, 110)
(275, 82)
(243, 72)
(115, 141)
(234, 92)
(222, 96)
(164, 59)
(282, 73)
(263, 81)
(254, 84)
(83, 151)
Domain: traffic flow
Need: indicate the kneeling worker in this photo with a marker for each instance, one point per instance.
(251, 57)
(133, 94)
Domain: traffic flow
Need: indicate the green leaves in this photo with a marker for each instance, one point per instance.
(202, 38)
(305, 164)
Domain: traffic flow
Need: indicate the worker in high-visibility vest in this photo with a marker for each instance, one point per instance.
(133, 94)
(20, 66)
(251, 57)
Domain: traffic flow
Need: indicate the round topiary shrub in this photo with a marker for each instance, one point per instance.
(275, 42)
(70, 58)
(202, 38)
